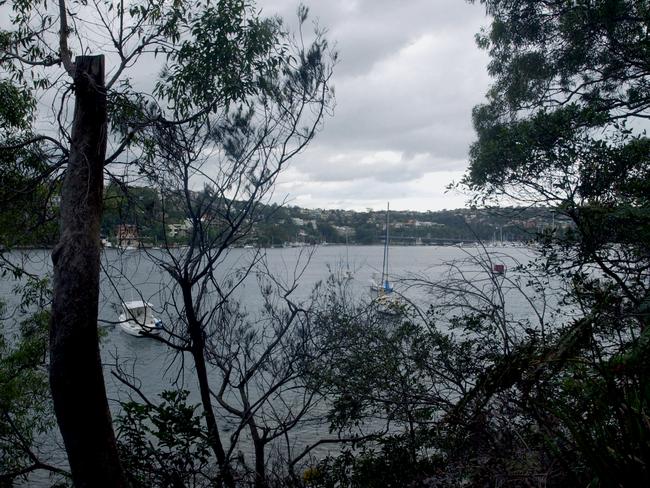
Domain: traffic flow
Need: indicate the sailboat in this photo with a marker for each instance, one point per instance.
(348, 273)
(386, 302)
(384, 286)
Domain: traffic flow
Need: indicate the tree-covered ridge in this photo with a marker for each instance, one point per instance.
(143, 207)
(165, 223)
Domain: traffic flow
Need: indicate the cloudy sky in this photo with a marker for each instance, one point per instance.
(408, 77)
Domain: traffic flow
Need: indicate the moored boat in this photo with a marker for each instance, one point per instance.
(386, 301)
(137, 320)
(383, 287)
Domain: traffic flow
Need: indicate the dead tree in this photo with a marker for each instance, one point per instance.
(237, 154)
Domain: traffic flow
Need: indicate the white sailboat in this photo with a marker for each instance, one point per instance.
(387, 302)
(348, 273)
(384, 286)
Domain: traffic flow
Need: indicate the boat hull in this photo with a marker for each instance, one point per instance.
(387, 304)
(138, 330)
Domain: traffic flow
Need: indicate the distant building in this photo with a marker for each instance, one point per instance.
(344, 230)
(427, 224)
(180, 229)
(127, 235)
(531, 224)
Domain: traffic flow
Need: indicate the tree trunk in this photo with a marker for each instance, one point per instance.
(260, 465)
(198, 354)
(76, 376)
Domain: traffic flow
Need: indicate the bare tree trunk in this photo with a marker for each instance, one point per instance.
(260, 464)
(198, 354)
(76, 377)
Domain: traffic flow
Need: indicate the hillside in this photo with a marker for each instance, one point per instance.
(141, 209)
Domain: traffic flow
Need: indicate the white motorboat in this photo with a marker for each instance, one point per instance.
(136, 319)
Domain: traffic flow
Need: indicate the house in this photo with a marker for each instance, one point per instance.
(127, 235)
(344, 230)
(179, 229)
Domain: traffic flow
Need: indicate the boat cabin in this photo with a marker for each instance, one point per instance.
(138, 311)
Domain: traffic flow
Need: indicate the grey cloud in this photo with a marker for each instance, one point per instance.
(408, 77)
(321, 165)
(428, 193)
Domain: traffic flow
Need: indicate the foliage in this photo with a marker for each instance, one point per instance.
(229, 55)
(390, 464)
(472, 393)
(26, 215)
(562, 127)
(165, 444)
(16, 107)
(25, 405)
(561, 123)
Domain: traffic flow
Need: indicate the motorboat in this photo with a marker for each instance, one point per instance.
(136, 319)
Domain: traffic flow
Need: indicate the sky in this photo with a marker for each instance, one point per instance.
(408, 75)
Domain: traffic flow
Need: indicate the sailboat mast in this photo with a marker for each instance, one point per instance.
(347, 251)
(384, 268)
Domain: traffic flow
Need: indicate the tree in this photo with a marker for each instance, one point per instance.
(26, 217)
(238, 154)
(439, 396)
(25, 403)
(218, 57)
(74, 351)
(562, 127)
(164, 445)
(559, 125)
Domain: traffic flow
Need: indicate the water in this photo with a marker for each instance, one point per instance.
(133, 275)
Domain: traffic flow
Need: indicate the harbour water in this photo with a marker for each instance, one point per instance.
(133, 275)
